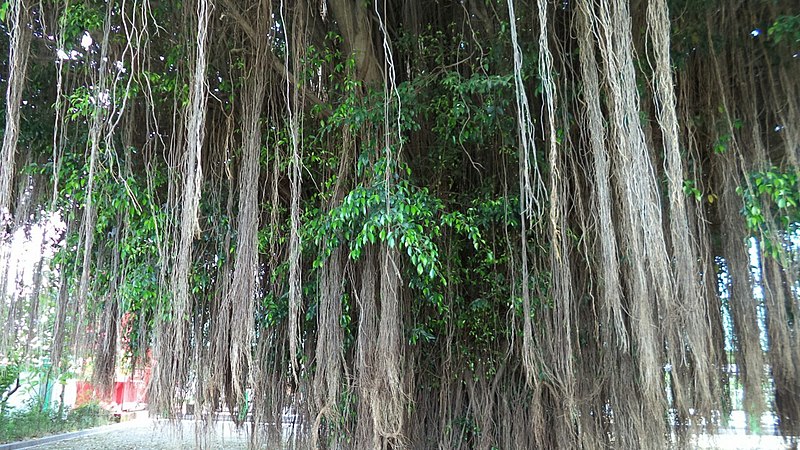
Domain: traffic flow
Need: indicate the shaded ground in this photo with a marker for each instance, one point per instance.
(147, 434)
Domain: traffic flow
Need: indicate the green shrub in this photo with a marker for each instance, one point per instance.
(32, 421)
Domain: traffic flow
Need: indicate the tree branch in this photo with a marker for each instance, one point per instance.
(8, 394)
(276, 64)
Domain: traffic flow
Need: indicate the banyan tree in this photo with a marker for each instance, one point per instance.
(412, 224)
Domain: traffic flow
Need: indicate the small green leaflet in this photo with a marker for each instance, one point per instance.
(4, 10)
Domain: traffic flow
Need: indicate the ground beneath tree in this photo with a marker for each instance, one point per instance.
(149, 434)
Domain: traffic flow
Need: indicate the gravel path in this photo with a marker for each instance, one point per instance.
(147, 434)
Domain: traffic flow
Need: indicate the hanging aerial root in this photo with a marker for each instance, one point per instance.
(650, 281)
(388, 399)
(746, 334)
(366, 350)
(295, 177)
(530, 183)
(606, 234)
(691, 333)
(96, 128)
(172, 351)
(243, 286)
(558, 337)
(18, 51)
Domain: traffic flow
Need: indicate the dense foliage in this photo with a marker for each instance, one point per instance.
(451, 224)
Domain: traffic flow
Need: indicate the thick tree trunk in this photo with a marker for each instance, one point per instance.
(353, 19)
